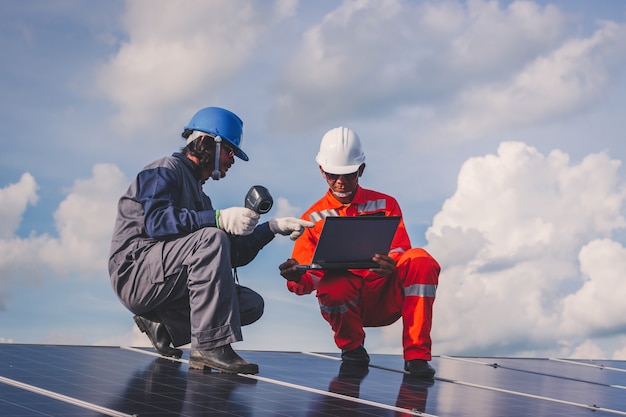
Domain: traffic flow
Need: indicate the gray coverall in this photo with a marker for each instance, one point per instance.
(170, 263)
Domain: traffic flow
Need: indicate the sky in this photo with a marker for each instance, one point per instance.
(497, 125)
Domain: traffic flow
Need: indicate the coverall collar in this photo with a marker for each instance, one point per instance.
(194, 168)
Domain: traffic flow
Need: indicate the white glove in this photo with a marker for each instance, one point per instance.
(237, 220)
(289, 226)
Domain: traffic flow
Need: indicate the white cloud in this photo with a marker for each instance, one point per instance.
(16, 254)
(285, 209)
(620, 355)
(430, 49)
(545, 198)
(495, 40)
(84, 221)
(451, 70)
(587, 350)
(178, 51)
(13, 201)
(134, 337)
(550, 86)
(598, 306)
(508, 241)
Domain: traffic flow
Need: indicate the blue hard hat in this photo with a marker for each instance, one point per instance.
(222, 123)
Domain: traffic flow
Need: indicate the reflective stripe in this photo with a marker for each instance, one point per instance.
(316, 280)
(420, 290)
(319, 215)
(374, 205)
(339, 309)
(400, 250)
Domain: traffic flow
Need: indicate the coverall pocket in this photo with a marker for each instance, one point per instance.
(152, 261)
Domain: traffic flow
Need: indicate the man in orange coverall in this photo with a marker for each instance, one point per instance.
(404, 284)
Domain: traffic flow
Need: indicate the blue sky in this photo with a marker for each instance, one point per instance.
(497, 125)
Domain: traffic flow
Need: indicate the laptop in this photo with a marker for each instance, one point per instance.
(350, 242)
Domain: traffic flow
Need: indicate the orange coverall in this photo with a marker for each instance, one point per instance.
(354, 299)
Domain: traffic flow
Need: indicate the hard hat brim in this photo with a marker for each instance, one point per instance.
(340, 170)
(238, 152)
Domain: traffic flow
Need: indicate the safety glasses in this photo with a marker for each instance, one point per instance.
(230, 152)
(348, 177)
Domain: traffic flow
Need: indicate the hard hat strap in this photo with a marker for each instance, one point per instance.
(216, 171)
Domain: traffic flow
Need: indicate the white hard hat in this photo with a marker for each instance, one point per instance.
(340, 151)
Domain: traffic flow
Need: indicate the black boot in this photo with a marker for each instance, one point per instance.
(419, 368)
(356, 356)
(158, 335)
(221, 358)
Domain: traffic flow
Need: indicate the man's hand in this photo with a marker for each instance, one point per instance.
(387, 265)
(237, 220)
(289, 226)
(289, 272)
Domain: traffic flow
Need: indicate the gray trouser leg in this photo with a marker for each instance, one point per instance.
(195, 296)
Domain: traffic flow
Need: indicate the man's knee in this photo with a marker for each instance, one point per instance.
(212, 234)
(212, 239)
(418, 263)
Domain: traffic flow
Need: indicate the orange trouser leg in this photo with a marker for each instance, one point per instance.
(339, 299)
(348, 303)
(418, 273)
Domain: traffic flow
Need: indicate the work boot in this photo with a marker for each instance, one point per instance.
(223, 359)
(356, 356)
(419, 368)
(158, 335)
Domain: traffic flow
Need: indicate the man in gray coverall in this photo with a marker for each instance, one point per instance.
(172, 253)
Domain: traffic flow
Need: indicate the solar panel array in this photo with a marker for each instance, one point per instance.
(39, 380)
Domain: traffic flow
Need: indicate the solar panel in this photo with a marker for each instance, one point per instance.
(41, 380)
